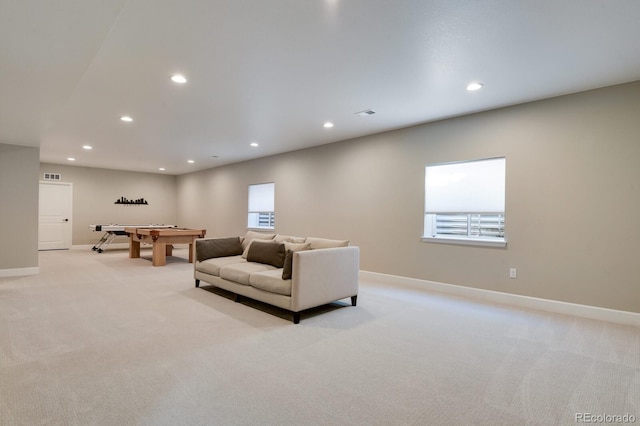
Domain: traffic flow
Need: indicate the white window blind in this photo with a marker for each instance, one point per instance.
(469, 187)
(262, 206)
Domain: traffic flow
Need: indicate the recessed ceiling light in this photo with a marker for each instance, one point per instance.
(254, 144)
(327, 125)
(126, 118)
(474, 86)
(87, 147)
(178, 78)
(71, 159)
(161, 169)
(190, 161)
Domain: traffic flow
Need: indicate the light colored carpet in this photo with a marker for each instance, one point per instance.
(101, 339)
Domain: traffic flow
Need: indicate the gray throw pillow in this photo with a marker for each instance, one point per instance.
(269, 253)
(287, 269)
(217, 247)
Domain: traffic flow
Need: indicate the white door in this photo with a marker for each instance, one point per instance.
(54, 226)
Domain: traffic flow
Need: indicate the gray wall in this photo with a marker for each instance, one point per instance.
(19, 206)
(573, 196)
(96, 190)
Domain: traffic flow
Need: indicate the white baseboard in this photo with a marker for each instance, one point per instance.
(583, 311)
(19, 272)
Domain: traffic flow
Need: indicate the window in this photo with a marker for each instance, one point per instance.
(464, 202)
(261, 206)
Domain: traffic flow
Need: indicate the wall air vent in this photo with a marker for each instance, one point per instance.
(365, 113)
(52, 176)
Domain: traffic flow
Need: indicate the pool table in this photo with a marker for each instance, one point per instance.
(162, 240)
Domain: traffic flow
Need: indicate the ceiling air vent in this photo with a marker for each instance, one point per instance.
(52, 176)
(365, 113)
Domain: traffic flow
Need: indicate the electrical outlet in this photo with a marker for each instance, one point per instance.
(513, 273)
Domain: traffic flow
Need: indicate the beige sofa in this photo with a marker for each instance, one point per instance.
(293, 273)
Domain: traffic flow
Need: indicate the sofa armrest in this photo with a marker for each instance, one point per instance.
(323, 276)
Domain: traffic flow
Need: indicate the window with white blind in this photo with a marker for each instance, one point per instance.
(261, 206)
(464, 202)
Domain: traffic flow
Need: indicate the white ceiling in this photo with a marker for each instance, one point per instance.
(273, 71)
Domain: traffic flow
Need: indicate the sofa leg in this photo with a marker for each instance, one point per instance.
(237, 298)
(354, 300)
(296, 317)
(197, 283)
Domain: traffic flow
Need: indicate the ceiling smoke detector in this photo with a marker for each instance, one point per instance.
(365, 113)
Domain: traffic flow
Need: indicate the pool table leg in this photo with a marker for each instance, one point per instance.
(159, 255)
(134, 248)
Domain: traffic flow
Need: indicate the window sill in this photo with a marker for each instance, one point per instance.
(253, 228)
(484, 242)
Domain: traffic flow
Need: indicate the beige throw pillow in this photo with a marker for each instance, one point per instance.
(279, 238)
(320, 243)
(297, 246)
(253, 235)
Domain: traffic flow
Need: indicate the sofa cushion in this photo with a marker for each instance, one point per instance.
(320, 243)
(279, 238)
(297, 246)
(252, 235)
(217, 247)
(271, 281)
(267, 252)
(240, 272)
(212, 266)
